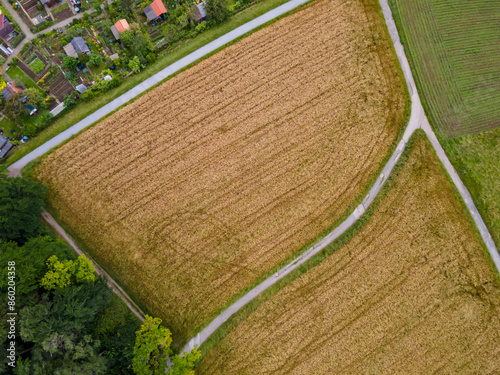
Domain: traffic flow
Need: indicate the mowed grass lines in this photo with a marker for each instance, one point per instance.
(200, 187)
(411, 293)
(454, 48)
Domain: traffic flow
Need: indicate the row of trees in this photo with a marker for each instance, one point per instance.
(69, 321)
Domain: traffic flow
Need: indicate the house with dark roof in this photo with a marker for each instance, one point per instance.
(7, 31)
(76, 45)
(155, 10)
(10, 90)
(5, 147)
(199, 14)
(119, 27)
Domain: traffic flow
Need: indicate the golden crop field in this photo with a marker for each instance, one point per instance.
(198, 188)
(411, 293)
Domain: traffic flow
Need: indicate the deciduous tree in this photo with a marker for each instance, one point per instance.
(21, 200)
(152, 346)
(70, 62)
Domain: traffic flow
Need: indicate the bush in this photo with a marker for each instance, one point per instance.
(151, 56)
(29, 130)
(202, 26)
(70, 62)
(69, 75)
(217, 10)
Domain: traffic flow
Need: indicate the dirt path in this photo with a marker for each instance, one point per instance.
(112, 284)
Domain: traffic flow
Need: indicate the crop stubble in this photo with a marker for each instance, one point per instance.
(209, 181)
(411, 293)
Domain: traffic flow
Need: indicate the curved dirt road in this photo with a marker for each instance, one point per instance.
(417, 120)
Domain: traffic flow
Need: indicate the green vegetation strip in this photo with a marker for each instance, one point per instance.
(476, 158)
(83, 110)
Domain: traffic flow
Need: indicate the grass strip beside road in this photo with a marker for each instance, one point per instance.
(476, 158)
(82, 110)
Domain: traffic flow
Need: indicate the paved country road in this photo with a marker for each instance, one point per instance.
(417, 120)
(15, 168)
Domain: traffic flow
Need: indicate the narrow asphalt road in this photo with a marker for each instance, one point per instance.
(417, 120)
(15, 168)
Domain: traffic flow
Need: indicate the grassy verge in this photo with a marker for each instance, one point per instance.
(83, 110)
(476, 159)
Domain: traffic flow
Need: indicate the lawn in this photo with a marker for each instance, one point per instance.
(412, 292)
(6, 125)
(200, 187)
(14, 72)
(452, 46)
(85, 109)
(477, 160)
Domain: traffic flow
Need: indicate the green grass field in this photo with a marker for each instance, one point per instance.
(453, 47)
(476, 158)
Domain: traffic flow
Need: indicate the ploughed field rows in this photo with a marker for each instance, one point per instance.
(454, 47)
(412, 292)
(208, 182)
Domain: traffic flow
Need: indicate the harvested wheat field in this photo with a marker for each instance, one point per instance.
(198, 188)
(412, 292)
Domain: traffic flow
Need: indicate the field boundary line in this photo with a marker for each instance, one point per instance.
(98, 269)
(16, 167)
(418, 120)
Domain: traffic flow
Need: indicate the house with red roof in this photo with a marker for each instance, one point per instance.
(119, 27)
(7, 31)
(155, 10)
(10, 90)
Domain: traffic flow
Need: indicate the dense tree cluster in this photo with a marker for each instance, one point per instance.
(68, 319)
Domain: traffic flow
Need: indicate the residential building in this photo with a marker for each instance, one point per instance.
(119, 27)
(200, 14)
(5, 147)
(7, 31)
(155, 10)
(10, 90)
